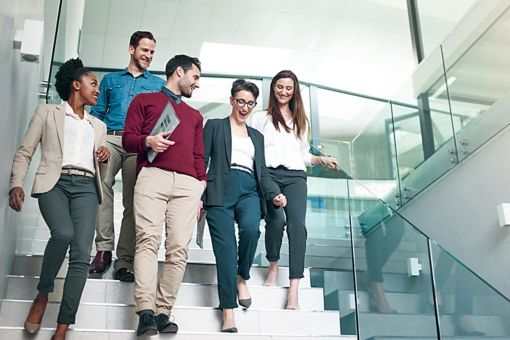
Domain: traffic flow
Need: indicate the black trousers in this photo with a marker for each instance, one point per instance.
(292, 183)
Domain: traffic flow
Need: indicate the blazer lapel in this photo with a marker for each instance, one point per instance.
(228, 139)
(59, 114)
(256, 146)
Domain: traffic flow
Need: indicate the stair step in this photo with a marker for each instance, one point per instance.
(410, 303)
(396, 326)
(345, 263)
(190, 294)
(80, 334)
(98, 317)
(195, 272)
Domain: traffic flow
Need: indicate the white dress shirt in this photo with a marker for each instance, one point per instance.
(78, 141)
(281, 147)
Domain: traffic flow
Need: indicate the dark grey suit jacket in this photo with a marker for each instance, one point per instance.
(217, 154)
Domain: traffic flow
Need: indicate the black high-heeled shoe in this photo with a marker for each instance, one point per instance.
(230, 330)
(245, 303)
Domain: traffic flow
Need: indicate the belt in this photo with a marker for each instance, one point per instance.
(116, 132)
(77, 172)
(241, 167)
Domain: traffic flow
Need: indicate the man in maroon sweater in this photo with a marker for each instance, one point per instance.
(167, 191)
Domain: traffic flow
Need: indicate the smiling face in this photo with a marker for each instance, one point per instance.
(141, 55)
(283, 90)
(189, 81)
(88, 88)
(242, 105)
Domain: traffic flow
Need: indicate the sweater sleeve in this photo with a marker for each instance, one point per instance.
(198, 150)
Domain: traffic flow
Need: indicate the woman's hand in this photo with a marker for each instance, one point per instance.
(329, 162)
(16, 198)
(280, 200)
(102, 154)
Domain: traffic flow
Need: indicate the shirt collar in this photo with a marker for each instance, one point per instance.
(70, 112)
(145, 73)
(175, 97)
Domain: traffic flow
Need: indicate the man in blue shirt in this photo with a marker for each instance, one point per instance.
(117, 89)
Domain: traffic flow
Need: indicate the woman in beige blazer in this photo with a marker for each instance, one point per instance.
(67, 185)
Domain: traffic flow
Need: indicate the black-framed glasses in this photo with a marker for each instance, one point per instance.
(242, 103)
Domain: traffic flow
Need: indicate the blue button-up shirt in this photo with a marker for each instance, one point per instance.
(117, 89)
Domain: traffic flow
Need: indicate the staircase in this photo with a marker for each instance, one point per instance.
(107, 305)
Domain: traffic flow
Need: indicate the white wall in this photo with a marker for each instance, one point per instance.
(459, 211)
(19, 97)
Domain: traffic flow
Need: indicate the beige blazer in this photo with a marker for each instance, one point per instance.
(47, 128)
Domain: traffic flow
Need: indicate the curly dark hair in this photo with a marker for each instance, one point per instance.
(70, 70)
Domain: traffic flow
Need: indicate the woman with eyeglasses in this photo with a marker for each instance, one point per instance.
(238, 188)
(67, 185)
(285, 129)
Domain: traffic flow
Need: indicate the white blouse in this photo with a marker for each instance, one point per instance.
(78, 141)
(281, 147)
(243, 152)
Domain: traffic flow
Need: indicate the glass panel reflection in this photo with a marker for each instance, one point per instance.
(467, 306)
(393, 269)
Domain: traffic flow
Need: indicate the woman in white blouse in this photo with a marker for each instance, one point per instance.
(238, 188)
(285, 129)
(67, 185)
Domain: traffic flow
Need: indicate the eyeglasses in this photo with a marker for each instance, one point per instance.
(242, 103)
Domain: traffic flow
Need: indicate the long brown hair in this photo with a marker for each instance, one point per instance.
(296, 106)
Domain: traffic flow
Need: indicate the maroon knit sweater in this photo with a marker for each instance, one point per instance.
(186, 156)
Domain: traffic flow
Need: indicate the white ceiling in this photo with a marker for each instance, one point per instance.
(362, 46)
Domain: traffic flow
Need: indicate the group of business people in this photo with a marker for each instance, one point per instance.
(251, 172)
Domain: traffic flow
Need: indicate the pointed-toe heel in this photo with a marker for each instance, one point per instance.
(230, 330)
(32, 328)
(245, 303)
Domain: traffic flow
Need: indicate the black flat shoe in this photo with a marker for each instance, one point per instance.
(245, 303)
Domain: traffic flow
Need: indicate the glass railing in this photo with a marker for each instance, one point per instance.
(385, 278)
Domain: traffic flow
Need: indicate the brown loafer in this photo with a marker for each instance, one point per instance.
(102, 261)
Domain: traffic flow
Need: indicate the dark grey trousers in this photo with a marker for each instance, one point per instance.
(70, 211)
(292, 183)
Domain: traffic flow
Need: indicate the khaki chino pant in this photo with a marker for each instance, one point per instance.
(105, 232)
(163, 198)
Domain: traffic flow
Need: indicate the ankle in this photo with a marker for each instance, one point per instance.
(61, 331)
(273, 266)
(41, 298)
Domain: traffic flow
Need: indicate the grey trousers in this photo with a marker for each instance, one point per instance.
(293, 185)
(70, 211)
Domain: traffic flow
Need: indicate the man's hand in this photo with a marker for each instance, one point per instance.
(201, 211)
(280, 200)
(16, 198)
(158, 142)
(102, 154)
